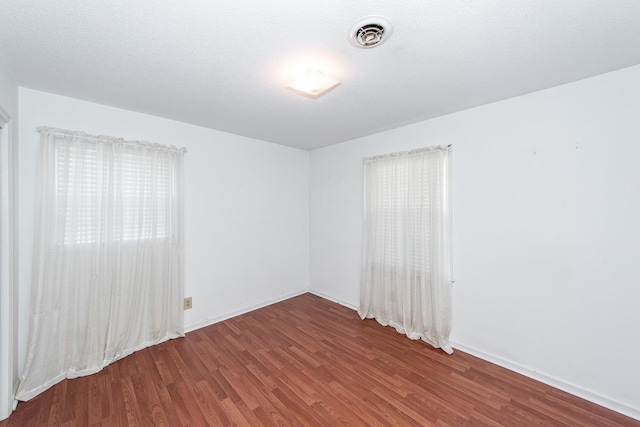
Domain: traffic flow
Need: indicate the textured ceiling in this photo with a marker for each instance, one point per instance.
(225, 64)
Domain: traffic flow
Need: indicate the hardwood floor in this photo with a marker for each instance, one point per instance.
(305, 361)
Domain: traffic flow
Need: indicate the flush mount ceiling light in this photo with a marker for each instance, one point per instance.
(313, 84)
(370, 32)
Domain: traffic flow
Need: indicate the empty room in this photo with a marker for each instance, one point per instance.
(319, 213)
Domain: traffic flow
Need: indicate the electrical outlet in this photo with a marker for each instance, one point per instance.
(188, 303)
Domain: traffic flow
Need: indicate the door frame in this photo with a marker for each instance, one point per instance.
(8, 267)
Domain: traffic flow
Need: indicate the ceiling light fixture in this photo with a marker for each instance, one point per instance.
(370, 32)
(313, 84)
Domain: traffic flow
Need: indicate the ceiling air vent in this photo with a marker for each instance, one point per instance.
(370, 32)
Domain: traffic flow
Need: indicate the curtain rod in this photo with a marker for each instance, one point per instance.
(112, 139)
(405, 153)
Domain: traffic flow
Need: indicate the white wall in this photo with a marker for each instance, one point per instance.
(547, 231)
(8, 239)
(246, 214)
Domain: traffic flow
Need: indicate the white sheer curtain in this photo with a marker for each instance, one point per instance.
(407, 266)
(108, 255)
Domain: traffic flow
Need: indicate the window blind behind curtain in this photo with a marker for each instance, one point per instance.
(140, 206)
(108, 273)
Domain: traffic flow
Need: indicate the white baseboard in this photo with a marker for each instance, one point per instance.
(336, 300)
(552, 381)
(212, 320)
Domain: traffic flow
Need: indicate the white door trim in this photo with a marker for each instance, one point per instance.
(8, 254)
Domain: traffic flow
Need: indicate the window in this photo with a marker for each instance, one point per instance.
(117, 192)
(399, 203)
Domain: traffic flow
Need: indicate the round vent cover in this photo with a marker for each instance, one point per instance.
(370, 32)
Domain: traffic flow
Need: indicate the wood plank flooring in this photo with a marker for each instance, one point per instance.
(305, 362)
